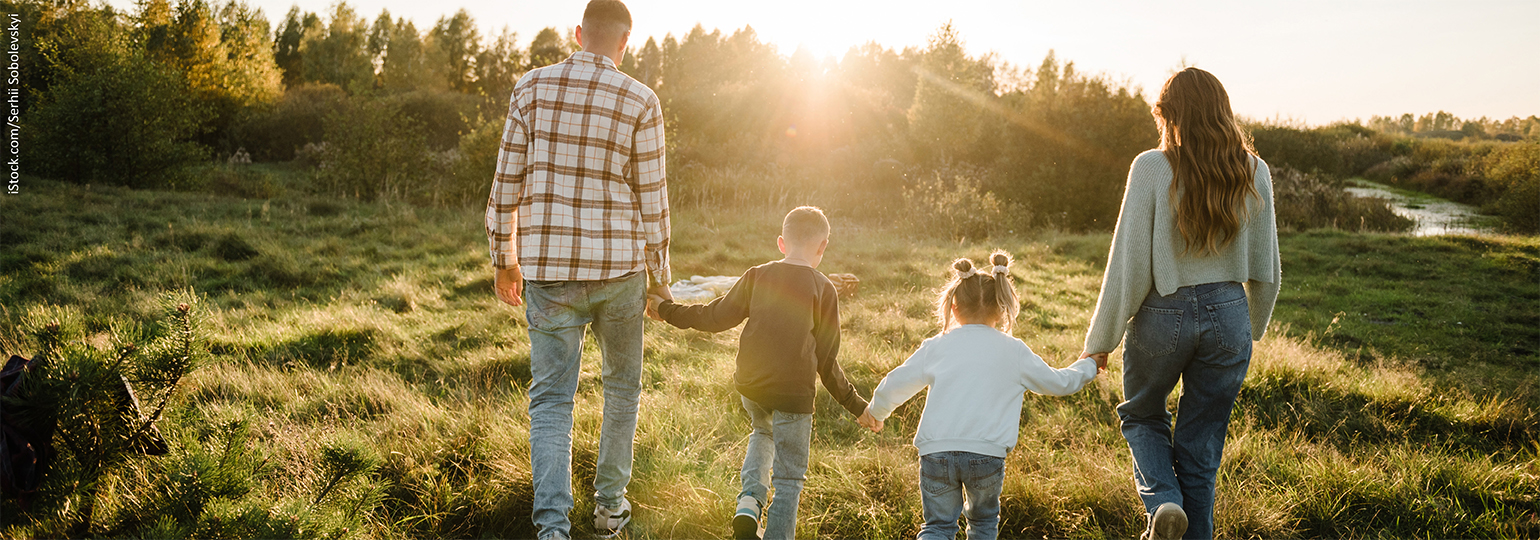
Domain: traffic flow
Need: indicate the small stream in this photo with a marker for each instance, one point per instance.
(1434, 216)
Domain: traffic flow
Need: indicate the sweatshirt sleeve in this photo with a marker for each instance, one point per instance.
(901, 384)
(1041, 378)
(721, 314)
(1262, 294)
(826, 343)
(1128, 277)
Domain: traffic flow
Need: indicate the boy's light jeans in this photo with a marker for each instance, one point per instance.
(558, 311)
(781, 437)
(944, 477)
(1200, 334)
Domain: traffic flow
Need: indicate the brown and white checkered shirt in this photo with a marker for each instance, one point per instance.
(580, 176)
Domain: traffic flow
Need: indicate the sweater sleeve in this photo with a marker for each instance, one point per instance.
(721, 314)
(1041, 378)
(1262, 295)
(900, 384)
(1128, 277)
(826, 343)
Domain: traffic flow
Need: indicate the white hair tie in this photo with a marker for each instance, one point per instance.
(1002, 270)
(968, 274)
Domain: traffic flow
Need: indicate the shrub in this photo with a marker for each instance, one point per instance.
(949, 203)
(276, 132)
(1514, 173)
(112, 116)
(372, 151)
(471, 167)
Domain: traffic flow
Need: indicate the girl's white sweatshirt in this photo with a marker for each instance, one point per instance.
(976, 376)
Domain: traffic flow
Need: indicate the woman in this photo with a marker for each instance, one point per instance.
(1194, 264)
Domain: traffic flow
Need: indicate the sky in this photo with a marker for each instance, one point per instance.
(1309, 61)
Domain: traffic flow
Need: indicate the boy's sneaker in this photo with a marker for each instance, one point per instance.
(608, 521)
(746, 520)
(1168, 523)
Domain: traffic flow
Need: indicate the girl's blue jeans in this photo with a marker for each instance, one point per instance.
(966, 484)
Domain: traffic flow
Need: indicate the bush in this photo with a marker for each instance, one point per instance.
(1514, 173)
(443, 117)
(1311, 201)
(471, 167)
(112, 116)
(276, 132)
(949, 203)
(373, 151)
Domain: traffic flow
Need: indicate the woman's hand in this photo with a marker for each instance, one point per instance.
(1101, 360)
(868, 421)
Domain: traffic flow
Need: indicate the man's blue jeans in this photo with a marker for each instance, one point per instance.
(782, 438)
(944, 478)
(558, 312)
(1201, 335)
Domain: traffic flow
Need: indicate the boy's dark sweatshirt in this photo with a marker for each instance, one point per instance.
(793, 335)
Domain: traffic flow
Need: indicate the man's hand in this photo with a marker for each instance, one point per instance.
(1101, 360)
(509, 285)
(662, 293)
(653, 301)
(868, 421)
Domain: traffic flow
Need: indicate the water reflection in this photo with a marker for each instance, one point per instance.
(1433, 216)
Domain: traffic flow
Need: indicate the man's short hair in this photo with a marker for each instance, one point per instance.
(805, 224)
(606, 19)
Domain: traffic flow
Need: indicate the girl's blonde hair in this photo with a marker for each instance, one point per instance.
(1210, 160)
(979, 293)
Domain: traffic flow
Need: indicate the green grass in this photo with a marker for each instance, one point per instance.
(1395, 395)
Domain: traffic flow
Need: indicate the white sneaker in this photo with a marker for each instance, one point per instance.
(608, 521)
(746, 520)
(1168, 523)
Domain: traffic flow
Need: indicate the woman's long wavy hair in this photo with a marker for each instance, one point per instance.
(1210, 160)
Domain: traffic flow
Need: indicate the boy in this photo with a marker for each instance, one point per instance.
(791, 337)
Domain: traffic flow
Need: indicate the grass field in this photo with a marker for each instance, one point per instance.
(1396, 394)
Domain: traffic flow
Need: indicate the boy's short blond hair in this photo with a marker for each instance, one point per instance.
(805, 224)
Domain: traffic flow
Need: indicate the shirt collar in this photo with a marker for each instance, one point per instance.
(592, 58)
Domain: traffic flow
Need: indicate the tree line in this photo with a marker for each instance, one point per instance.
(382, 109)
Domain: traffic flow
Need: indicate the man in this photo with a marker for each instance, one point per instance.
(579, 208)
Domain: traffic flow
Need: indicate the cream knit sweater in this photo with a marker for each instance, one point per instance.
(1147, 253)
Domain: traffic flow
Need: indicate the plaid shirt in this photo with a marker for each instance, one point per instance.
(580, 176)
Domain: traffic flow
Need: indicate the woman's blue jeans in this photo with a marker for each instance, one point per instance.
(1200, 335)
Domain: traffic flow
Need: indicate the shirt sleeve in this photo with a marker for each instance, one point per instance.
(1041, 378)
(1128, 277)
(720, 315)
(648, 163)
(826, 343)
(901, 384)
(507, 188)
(1262, 295)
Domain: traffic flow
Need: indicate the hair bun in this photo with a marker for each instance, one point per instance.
(962, 265)
(1000, 259)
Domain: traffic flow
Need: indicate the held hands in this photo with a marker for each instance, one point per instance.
(653, 301)
(656, 294)
(1101, 360)
(508, 283)
(868, 421)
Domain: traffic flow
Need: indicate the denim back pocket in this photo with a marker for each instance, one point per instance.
(1232, 325)
(548, 305)
(1155, 330)
(985, 473)
(936, 475)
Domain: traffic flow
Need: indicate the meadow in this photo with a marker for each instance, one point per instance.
(1395, 395)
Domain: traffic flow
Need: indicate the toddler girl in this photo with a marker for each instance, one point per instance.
(976, 373)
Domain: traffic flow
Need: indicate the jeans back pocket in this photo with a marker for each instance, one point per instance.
(1154, 331)
(1232, 325)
